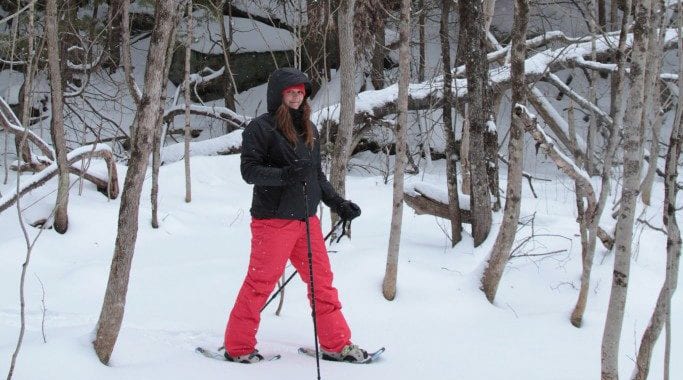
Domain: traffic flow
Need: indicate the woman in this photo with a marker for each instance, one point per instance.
(281, 158)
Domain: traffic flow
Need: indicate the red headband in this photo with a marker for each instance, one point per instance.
(296, 87)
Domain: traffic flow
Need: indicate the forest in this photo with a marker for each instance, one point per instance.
(522, 156)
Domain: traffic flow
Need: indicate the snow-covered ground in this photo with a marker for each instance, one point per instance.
(186, 275)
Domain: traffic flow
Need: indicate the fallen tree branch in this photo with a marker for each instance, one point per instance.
(424, 205)
(564, 163)
(428, 95)
(12, 124)
(109, 187)
(222, 113)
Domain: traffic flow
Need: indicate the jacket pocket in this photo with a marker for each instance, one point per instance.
(267, 199)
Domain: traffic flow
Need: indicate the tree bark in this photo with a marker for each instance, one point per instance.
(662, 312)
(160, 133)
(421, 20)
(618, 116)
(61, 216)
(23, 151)
(476, 64)
(449, 128)
(506, 236)
(125, 52)
(633, 155)
(187, 94)
(226, 41)
(653, 108)
(114, 35)
(111, 316)
(378, 54)
(489, 7)
(347, 109)
(391, 274)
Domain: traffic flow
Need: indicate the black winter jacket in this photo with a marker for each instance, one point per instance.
(266, 151)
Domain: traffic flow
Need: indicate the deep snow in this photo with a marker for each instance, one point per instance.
(186, 274)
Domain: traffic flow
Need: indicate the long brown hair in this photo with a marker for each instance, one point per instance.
(286, 124)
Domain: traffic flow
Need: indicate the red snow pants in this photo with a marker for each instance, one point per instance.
(273, 242)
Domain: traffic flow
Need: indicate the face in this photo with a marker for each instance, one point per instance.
(293, 98)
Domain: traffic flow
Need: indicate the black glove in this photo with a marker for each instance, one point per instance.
(297, 172)
(348, 210)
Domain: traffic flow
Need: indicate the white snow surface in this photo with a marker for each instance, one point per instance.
(186, 274)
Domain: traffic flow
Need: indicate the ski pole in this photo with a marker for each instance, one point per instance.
(310, 278)
(281, 287)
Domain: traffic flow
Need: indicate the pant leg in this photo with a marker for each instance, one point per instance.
(333, 331)
(272, 241)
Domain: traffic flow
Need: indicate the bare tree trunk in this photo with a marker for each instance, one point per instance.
(61, 218)
(125, 51)
(618, 109)
(513, 198)
(471, 18)
(613, 14)
(160, 135)
(378, 55)
(633, 155)
(602, 15)
(489, 7)
(465, 166)
(113, 306)
(592, 96)
(653, 111)
(462, 108)
(449, 128)
(186, 89)
(391, 274)
(344, 138)
(23, 151)
(421, 20)
(226, 40)
(114, 35)
(662, 313)
(13, 32)
(491, 155)
(673, 255)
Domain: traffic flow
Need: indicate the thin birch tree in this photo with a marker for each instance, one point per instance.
(61, 217)
(653, 104)
(347, 107)
(449, 127)
(506, 235)
(662, 313)
(187, 95)
(113, 306)
(476, 67)
(391, 274)
(633, 155)
(618, 109)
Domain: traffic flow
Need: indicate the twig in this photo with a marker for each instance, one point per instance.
(43, 308)
(645, 222)
(538, 254)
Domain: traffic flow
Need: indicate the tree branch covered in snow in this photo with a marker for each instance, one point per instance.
(106, 184)
(12, 124)
(221, 113)
(376, 104)
(564, 163)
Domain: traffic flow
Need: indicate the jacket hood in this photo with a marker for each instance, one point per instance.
(281, 79)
